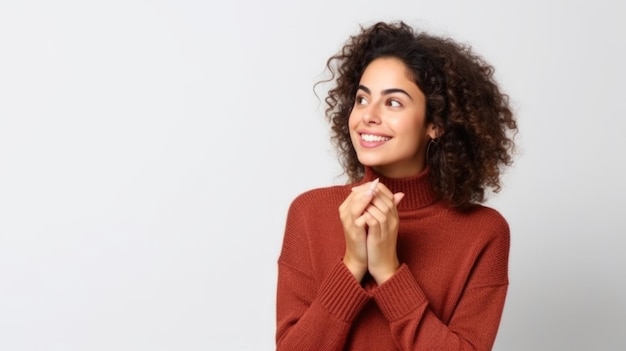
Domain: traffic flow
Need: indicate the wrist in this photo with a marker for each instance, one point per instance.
(357, 270)
(384, 274)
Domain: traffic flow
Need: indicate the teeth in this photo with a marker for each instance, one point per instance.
(369, 137)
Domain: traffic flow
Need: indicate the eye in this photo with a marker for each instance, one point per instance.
(394, 103)
(360, 100)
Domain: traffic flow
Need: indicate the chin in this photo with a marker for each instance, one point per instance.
(369, 162)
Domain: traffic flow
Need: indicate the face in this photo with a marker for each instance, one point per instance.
(388, 120)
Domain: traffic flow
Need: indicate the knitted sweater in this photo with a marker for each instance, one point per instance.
(448, 293)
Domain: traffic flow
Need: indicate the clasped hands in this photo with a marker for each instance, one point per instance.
(370, 223)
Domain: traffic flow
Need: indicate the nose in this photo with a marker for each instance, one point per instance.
(371, 115)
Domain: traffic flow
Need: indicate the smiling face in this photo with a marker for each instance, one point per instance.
(387, 124)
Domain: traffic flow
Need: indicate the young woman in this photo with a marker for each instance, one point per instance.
(404, 257)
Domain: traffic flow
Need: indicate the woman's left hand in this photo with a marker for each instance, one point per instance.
(381, 217)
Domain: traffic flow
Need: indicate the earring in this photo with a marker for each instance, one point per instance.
(433, 143)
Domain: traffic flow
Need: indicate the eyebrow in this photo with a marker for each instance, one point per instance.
(386, 91)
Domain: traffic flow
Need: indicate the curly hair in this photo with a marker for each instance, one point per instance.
(463, 102)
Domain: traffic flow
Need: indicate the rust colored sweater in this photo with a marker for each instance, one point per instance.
(447, 295)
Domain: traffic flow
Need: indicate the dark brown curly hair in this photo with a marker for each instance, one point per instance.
(463, 101)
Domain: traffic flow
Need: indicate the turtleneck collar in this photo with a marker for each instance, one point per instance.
(417, 190)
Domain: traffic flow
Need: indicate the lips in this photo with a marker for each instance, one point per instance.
(372, 141)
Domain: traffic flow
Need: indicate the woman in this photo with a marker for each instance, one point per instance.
(404, 257)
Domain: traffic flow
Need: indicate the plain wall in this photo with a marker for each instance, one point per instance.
(149, 152)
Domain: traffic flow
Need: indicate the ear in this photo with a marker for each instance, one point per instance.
(433, 131)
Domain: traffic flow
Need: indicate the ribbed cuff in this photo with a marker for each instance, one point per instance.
(341, 294)
(400, 295)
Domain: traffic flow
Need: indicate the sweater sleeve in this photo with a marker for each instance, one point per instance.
(476, 318)
(312, 315)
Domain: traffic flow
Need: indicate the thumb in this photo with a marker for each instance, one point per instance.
(397, 197)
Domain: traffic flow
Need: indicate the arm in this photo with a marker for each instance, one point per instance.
(476, 318)
(312, 315)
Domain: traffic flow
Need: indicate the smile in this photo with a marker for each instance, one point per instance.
(374, 138)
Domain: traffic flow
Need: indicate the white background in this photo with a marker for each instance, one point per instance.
(149, 152)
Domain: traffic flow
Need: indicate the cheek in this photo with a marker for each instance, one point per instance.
(413, 126)
(352, 121)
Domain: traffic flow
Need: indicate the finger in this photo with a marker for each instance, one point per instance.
(397, 197)
(349, 201)
(383, 203)
(372, 188)
(374, 227)
(361, 221)
(383, 190)
(344, 208)
(362, 199)
(386, 205)
(367, 186)
(376, 216)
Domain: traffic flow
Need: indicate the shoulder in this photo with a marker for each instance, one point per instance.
(488, 220)
(489, 215)
(310, 211)
(319, 198)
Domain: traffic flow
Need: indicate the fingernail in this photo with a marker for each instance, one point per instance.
(374, 184)
(370, 191)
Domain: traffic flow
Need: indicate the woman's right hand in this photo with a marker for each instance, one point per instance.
(355, 233)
